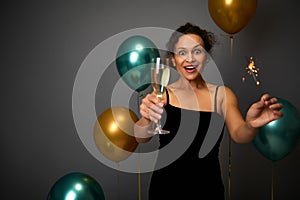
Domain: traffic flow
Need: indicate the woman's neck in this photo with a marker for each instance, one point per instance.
(194, 84)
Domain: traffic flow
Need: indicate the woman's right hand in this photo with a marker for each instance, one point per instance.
(151, 108)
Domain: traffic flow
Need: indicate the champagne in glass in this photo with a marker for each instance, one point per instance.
(160, 74)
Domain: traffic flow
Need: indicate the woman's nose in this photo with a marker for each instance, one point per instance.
(189, 58)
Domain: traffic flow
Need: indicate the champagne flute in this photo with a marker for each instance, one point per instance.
(160, 74)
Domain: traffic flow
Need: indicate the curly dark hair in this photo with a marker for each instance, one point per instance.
(207, 37)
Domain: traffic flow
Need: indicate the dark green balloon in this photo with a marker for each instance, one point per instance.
(76, 186)
(134, 58)
(278, 138)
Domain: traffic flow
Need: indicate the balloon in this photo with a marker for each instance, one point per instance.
(134, 58)
(278, 138)
(76, 186)
(232, 15)
(113, 133)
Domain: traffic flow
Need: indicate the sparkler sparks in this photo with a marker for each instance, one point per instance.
(252, 70)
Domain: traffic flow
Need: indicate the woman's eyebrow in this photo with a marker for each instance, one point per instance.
(198, 45)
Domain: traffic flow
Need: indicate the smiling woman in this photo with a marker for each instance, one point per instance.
(191, 95)
(190, 55)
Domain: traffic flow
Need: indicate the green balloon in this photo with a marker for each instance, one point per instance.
(278, 138)
(134, 59)
(76, 186)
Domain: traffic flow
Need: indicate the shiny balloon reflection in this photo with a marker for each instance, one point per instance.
(278, 138)
(76, 186)
(134, 58)
(232, 15)
(113, 133)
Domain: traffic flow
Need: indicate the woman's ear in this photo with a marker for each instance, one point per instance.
(207, 59)
(173, 61)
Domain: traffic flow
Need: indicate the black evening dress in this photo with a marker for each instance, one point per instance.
(189, 176)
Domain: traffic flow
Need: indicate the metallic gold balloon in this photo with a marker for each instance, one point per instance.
(113, 133)
(232, 15)
(77, 186)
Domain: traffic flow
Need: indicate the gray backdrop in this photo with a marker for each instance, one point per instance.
(44, 44)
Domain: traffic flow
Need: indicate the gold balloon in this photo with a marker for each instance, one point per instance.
(113, 133)
(232, 15)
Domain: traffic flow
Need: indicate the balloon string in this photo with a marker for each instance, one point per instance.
(272, 183)
(229, 142)
(229, 169)
(140, 95)
(118, 180)
(139, 174)
(231, 46)
(138, 99)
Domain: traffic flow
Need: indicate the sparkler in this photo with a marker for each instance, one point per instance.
(252, 70)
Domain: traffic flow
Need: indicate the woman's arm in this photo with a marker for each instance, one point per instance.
(141, 129)
(259, 114)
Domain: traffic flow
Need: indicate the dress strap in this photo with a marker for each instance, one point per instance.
(215, 102)
(167, 94)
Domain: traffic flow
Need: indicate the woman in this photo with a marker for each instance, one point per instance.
(192, 177)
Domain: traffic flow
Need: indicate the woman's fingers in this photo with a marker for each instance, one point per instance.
(151, 108)
(155, 111)
(154, 116)
(276, 106)
(273, 104)
(270, 102)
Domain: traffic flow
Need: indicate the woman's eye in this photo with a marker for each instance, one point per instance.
(197, 51)
(181, 53)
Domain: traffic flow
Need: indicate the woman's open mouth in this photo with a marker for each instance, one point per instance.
(190, 68)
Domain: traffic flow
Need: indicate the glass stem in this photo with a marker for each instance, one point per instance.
(158, 126)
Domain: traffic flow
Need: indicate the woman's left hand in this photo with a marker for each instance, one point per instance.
(263, 112)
